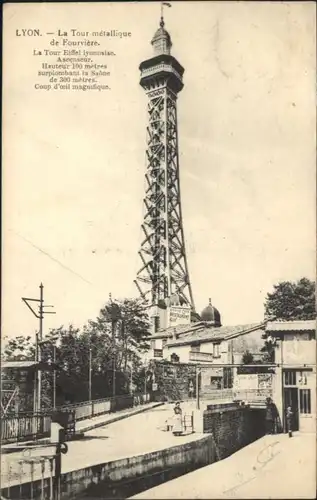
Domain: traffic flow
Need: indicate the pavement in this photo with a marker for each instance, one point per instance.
(273, 467)
(139, 434)
(88, 424)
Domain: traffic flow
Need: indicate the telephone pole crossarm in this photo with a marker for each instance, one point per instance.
(25, 300)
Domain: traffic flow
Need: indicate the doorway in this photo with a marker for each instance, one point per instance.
(291, 399)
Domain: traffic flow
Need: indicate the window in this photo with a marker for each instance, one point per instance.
(216, 351)
(195, 348)
(164, 342)
(289, 377)
(304, 401)
(215, 382)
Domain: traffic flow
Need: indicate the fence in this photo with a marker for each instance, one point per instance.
(32, 427)
(253, 395)
(89, 409)
(216, 394)
(25, 427)
(250, 395)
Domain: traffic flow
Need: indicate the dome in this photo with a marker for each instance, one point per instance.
(161, 40)
(211, 315)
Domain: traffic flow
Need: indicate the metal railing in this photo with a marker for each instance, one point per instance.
(215, 394)
(249, 395)
(94, 408)
(25, 427)
(253, 395)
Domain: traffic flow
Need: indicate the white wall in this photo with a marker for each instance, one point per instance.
(181, 350)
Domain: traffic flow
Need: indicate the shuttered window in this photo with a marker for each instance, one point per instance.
(304, 401)
(289, 377)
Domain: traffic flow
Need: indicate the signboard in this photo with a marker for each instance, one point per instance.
(154, 387)
(158, 353)
(179, 315)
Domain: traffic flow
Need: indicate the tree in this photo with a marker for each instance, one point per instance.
(291, 300)
(131, 330)
(92, 347)
(19, 349)
(247, 358)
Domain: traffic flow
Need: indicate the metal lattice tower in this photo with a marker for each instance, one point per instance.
(164, 270)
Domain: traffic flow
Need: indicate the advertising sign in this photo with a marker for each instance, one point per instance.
(179, 315)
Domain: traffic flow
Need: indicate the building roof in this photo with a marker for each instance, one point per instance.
(178, 330)
(291, 326)
(215, 334)
(25, 365)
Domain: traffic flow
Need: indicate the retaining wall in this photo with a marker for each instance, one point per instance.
(233, 427)
(94, 479)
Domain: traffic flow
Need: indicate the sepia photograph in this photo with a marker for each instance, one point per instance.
(158, 326)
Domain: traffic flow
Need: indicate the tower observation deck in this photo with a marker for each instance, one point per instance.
(164, 270)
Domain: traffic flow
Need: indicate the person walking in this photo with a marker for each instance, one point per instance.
(289, 421)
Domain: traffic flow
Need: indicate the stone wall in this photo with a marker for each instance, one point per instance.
(233, 427)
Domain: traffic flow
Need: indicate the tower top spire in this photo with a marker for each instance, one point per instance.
(161, 40)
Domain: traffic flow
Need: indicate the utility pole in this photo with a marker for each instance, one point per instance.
(39, 339)
(38, 342)
(113, 331)
(90, 373)
(131, 379)
(198, 373)
(54, 377)
(114, 314)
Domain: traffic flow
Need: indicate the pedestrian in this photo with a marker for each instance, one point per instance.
(270, 416)
(177, 420)
(289, 421)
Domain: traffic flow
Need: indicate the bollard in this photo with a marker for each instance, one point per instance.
(61, 448)
(51, 462)
(42, 461)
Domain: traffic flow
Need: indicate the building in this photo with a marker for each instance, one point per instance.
(206, 341)
(295, 377)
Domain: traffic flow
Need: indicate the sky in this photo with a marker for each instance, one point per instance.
(74, 162)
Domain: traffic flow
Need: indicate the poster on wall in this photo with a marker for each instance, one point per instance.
(179, 315)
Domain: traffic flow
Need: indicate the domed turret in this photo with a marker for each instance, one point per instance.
(161, 41)
(211, 315)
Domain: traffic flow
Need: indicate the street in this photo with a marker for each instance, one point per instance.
(272, 467)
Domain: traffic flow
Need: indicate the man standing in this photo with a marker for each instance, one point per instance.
(270, 416)
(289, 421)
